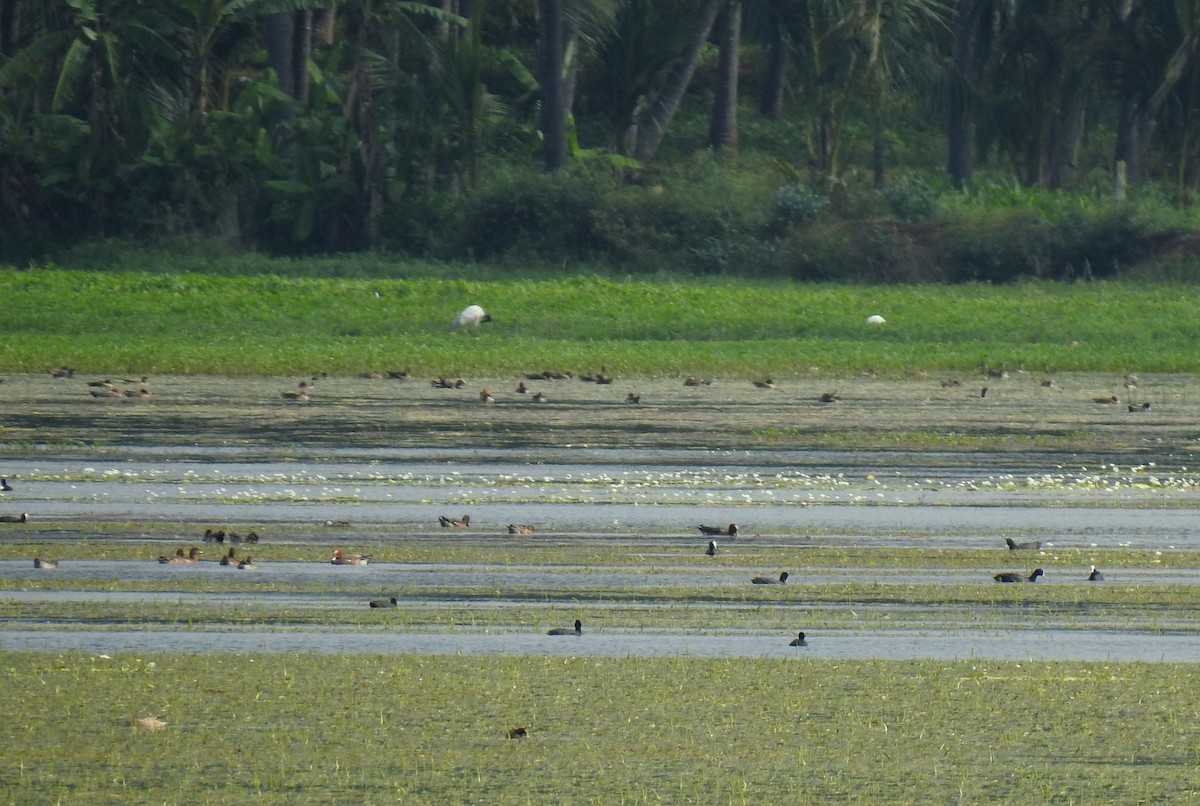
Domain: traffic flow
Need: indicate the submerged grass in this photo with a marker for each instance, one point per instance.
(190, 323)
(374, 729)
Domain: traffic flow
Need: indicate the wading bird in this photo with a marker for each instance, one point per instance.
(470, 318)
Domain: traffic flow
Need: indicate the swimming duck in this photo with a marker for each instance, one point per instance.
(567, 630)
(798, 641)
(766, 383)
(522, 529)
(1095, 575)
(106, 392)
(1029, 545)
(516, 733)
(712, 548)
(1105, 400)
(48, 565)
(769, 581)
(1012, 576)
(299, 395)
(692, 380)
(486, 396)
(461, 523)
(633, 399)
(399, 374)
(22, 518)
(247, 565)
(829, 397)
(5, 487)
(522, 388)
(228, 559)
(1140, 407)
(348, 559)
(718, 531)
(193, 556)
(383, 602)
(540, 397)
(214, 537)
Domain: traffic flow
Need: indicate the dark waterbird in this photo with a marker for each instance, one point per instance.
(717, 531)
(1013, 576)
(22, 518)
(1095, 575)
(1030, 545)
(383, 602)
(567, 630)
(769, 581)
(799, 641)
(5, 486)
(712, 548)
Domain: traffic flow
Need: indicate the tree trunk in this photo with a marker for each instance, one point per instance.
(960, 129)
(770, 103)
(722, 129)
(550, 76)
(653, 123)
(301, 52)
(10, 27)
(279, 33)
(1066, 133)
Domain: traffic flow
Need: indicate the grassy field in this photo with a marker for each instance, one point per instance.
(196, 323)
(371, 729)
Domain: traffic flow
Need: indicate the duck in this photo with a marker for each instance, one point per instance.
(522, 388)
(1029, 545)
(192, 556)
(228, 559)
(1095, 575)
(1140, 406)
(719, 531)
(48, 565)
(5, 487)
(391, 602)
(633, 399)
(516, 733)
(769, 581)
(470, 318)
(799, 641)
(1106, 401)
(540, 397)
(348, 559)
(486, 396)
(106, 392)
(214, 537)
(460, 523)
(399, 374)
(766, 383)
(1013, 576)
(22, 518)
(578, 630)
(299, 394)
(829, 397)
(520, 529)
(712, 548)
(247, 564)
(692, 380)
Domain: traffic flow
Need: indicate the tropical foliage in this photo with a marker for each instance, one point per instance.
(315, 125)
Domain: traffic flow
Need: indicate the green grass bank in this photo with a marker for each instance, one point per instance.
(195, 323)
(413, 729)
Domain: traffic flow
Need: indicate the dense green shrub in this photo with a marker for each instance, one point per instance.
(548, 214)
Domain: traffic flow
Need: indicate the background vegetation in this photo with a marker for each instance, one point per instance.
(883, 141)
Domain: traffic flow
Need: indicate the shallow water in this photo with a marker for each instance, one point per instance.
(890, 468)
(1014, 645)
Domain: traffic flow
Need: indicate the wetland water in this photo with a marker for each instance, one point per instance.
(615, 491)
